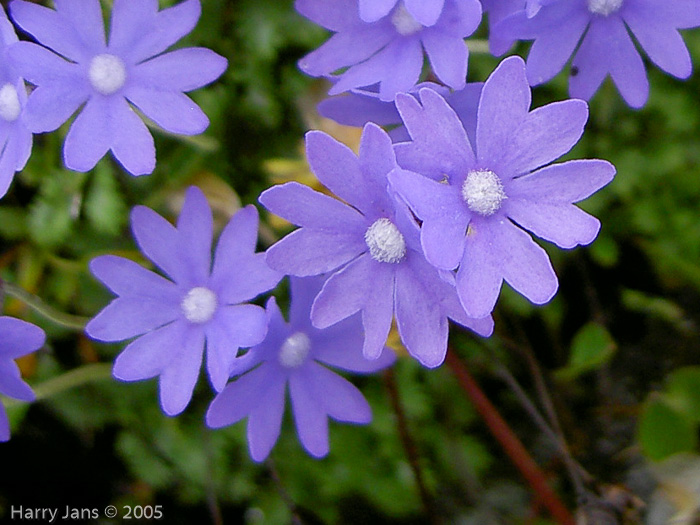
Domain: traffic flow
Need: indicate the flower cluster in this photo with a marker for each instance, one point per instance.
(422, 227)
(382, 42)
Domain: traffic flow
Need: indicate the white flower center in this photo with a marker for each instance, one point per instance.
(199, 305)
(404, 22)
(483, 192)
(107, 73)
(295, 350)
(9, 103)
(385, 242)
(604, 7)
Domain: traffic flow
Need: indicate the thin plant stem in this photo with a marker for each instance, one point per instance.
(212, 501)
(510, 442)
(72, 322)
(74, 378)
(574, 469)
(288, 501)
(408, 443)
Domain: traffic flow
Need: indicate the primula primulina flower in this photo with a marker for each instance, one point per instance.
(294, 354)
(360, 106)
(389, 50)
(17, 338)
(597, 33)
(371, 247)
(173, 318)
(476, 201)
(15, 138)
(77, 67)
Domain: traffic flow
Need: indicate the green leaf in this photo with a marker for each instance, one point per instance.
(664, 431)
(55, 209)
(591, 348)
(683, 391)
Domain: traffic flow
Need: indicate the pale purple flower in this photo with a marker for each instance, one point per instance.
(476, 201)
(597, 34)
(371, 245)
(17, 338)
(360, 106)
(15, 138)
(173, 318)
(389, 50)
(75, 66)
(293, 355)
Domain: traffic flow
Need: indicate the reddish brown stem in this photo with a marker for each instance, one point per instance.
(408, 444)
(510, 442)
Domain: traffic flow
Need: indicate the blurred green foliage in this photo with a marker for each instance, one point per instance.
(618, 348)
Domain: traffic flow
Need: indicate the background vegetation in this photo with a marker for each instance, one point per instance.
(616, 353)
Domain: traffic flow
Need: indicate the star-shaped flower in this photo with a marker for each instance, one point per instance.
(17, 338)
(294, 355)
(75, 66)
(597, 33)
(173, 318)
(475, 201)
(388, 48)
(15, 138)
(371, 246)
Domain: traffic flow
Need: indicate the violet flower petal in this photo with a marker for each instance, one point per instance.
(344, 293)
(125, 277)
(265, 419)
(309, 414)
(147, 356)
(311, 252)
(174, 112)
(129, 316)
(195, 226)
(341, 399)
(181, 70)
(179, 377)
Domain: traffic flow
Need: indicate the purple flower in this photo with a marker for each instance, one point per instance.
(15, 138)
(597, 33)
(371, 246)
(294, 354)
(389, 50)
(77, 67)
(475, 202)
(360, 106)
(17, 338)
(173, 318)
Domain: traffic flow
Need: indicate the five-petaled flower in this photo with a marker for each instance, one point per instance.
(77, 67)
(475, 201)
(174, 318)
(294, 355)
(17, 338)
(383, 42)
(371, 245)
(597, 32)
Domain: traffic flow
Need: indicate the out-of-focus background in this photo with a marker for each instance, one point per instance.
(617, 350)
